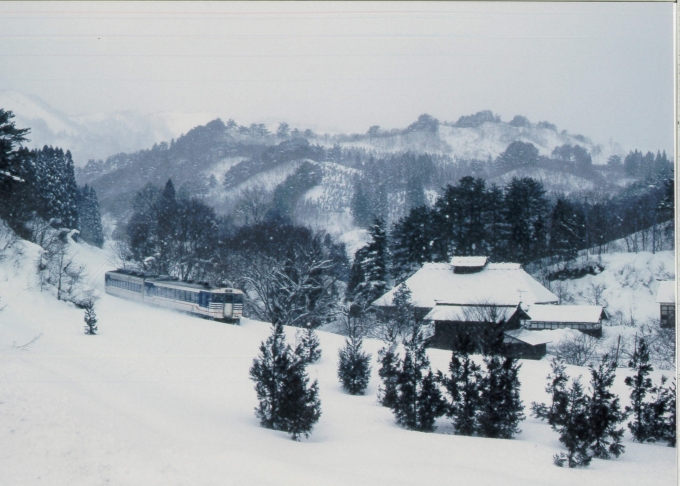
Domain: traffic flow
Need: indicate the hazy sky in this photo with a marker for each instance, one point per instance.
(602, 69)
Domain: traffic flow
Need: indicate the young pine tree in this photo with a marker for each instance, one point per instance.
(670, 422)
(419, 401)
(575, 432)
(90, 319)
(287, 401)
(605, 413)
(308, 348)
(463, 387)
(640, 385)
(557, 389)
(388, 372)
(501, 408)
(354, 369)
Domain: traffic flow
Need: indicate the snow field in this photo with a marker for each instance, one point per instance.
(164, 398)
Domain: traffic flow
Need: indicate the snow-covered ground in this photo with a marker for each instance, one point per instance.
(164, 398)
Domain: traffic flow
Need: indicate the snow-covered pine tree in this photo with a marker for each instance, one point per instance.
(567, 230)
(500, 408)
(557, 389)
(419, 401)
(308, 346)
(89, 216)
(300, 405)
(463, 387)
(670, 430)
(604, 412)
(368, 277)
(166, 227)
(390, 363)
(360, 205)
(411, 242)
(55, 186)
(575, 432)
(640, 385)
(354, 369)
(90, 319)
(287, 401)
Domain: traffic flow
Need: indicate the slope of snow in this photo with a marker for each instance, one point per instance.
(161, 398)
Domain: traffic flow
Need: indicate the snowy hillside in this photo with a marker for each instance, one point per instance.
(163, 398)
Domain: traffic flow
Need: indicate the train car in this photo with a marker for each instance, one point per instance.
(219, 303)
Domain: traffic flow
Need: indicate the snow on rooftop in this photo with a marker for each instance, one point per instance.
(469, 261)
(504, 284)
(530, 337)
(565, 313)
(666, 292)
(465, 313)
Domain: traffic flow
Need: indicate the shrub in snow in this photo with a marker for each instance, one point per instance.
(388, 372)
(557, 389)
(418, 402)
(90, 319)
(574, 431)
(308, 347)
(287, 401)
(463, 386)
(605, 412)
(354, 369)
(500, 409)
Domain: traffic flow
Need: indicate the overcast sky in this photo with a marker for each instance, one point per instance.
(602, 69)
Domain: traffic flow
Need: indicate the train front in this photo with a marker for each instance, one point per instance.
(232, 299)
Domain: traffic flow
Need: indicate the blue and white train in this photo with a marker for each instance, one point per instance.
(219, 303)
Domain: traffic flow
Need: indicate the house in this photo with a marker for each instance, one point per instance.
(665, 297)
(473, 297)
(470, 296)
(585, 318)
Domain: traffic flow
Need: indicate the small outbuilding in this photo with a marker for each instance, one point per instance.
(525, 344)
(585, 318)
(665, 297)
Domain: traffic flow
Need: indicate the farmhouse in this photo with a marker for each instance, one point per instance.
(665, 297)
(470, 296)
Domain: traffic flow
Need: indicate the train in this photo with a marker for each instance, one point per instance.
(217, 303)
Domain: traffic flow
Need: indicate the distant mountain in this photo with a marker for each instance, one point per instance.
(95, 136)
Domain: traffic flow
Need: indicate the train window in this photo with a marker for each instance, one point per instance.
(238, 299)
(218, 298)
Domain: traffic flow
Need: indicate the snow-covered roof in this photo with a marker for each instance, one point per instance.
(665, 294)
(565, 313)
(530, 337)
(466, 313)
(469, 261)
(504, 284)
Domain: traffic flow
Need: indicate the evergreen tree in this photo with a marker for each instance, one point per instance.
(90, 319)
(575, 432)
(501, 408)
(640, 385)
(166, 227)
(354, 369)
(557, 389)
(462, 210)
(525, 214)
(89, 217)
(412, 242)
(308, 348)
(463, 386)
(670, 422)
(389, 373)
(419, 400)
(495, 228)
(287, 401)
(567, 230)
(17, 172)
(56, 188)
(368, 277)
(604, 411)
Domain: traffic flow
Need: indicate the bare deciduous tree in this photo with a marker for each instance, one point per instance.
(579, 350)
(253, 204)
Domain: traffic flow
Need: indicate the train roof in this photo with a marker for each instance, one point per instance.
(172, 281)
